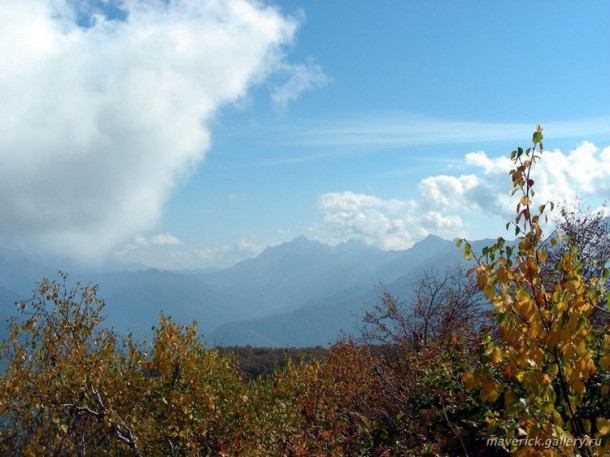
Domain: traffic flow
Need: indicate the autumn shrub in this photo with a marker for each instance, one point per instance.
(421, 347)
(56, 360)
(70, 387)
(549, 364)
(361, 403)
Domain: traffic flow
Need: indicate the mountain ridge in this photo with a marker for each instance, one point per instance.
(301, 292)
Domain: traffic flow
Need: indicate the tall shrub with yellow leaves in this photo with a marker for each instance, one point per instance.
(547, 372)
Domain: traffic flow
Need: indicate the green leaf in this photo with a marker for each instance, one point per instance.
(467, 251)
(548, 407)
(537, 137)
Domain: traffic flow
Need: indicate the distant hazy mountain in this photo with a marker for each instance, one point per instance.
(298, 272)
(323, 320)
(196, 271)
(19, 273)
(135, 300)
(299, 293)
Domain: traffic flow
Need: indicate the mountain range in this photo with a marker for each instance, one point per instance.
(299, 293)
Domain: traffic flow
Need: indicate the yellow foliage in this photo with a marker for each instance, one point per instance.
(603, 427)
(545, 330)
(469, 380)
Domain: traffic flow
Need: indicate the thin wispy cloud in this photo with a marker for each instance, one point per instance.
(394, 131)
(332, 139)
(302, 77)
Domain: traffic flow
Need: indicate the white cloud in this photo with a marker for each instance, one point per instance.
(165, 239)
(442, 191)
(171, 255)
(354, 201)
(138, 243)
(437, 222)
(499, 165)
(301, 77)
(97, 124)
(394, 224)
(162, 239)
(225, 255)
(374, 221)
(559, 177)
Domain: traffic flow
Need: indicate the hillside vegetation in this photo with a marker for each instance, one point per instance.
(512, 359)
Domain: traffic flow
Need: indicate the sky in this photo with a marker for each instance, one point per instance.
(188, 134)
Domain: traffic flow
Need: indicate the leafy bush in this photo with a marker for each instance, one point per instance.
(547, 354)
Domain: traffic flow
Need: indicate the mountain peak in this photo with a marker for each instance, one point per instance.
(300, 240)
(432, 237)
(430, 242)
(298, 244)
(354, 246)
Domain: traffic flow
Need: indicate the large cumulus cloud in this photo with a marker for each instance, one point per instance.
(101, 116)
(449, 205)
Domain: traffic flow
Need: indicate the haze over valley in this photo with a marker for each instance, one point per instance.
(299, 293)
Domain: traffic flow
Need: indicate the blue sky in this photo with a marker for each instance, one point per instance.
(379, 121)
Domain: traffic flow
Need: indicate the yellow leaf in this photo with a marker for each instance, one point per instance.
(509, 399)
(496, 356)
(490, 291)
(578, 387)
(490, 390)
(469, 380)
(603, 426)
(605, 361)
(502, 275)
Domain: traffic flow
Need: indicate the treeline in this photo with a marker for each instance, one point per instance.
(510, 359)
(257, 361)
